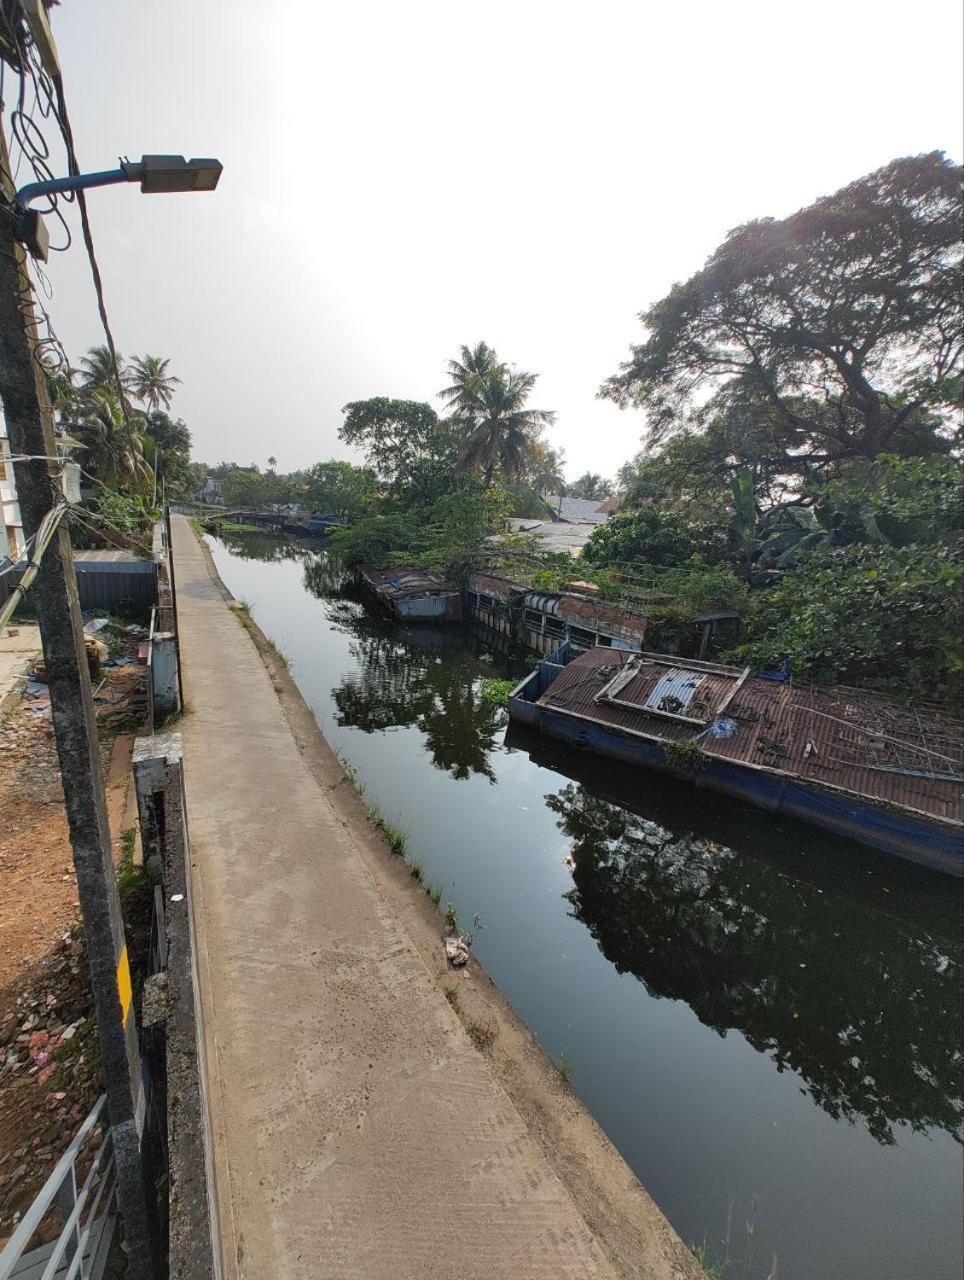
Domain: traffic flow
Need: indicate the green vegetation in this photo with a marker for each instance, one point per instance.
(566, 1068)
(800, 468)
(130, 878)
(452, 996)
(685, 754)
(482, 1034)
(237, 526)
(496, 692)
(452, 917)
(119, 416)
(714, 1270)
(800, 465)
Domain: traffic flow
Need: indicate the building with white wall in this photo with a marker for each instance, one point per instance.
(11, 525)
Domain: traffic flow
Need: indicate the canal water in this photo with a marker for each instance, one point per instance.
(766, 1021)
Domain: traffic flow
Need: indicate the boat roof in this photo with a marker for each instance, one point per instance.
(848, 739)
(400, 582)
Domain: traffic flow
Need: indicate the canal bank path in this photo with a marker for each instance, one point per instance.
(358, 1131)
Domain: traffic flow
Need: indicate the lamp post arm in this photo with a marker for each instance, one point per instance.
(76, 182)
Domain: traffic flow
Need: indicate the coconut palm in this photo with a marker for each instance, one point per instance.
(97, 368)
(547, 470)
(150, 382)
(487, 401)
(113, 443)
(499, 431)
(64, 395)
(476, 362)
(590, 486)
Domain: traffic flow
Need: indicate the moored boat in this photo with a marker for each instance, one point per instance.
(847, 760)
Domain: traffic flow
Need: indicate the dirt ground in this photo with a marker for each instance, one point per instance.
(49, 1060)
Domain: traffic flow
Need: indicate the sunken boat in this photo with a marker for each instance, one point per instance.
(411, 595)
(889, 776)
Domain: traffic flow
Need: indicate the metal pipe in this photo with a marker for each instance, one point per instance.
(74, 182)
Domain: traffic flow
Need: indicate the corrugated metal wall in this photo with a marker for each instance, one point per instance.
(117, 590)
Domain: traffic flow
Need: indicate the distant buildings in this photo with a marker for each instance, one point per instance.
(573, 521)
(210, 491)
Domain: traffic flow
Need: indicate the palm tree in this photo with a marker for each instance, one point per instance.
(488, 399)
(590, 486)
(150, 382)
(476, 362)
(547, 474)
(113, 443)
(64, 395)
(97, 367)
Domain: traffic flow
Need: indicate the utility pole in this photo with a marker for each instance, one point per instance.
(29, 418)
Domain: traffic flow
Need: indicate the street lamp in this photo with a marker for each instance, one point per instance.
(156, 174)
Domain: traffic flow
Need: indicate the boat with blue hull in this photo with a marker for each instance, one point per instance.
(862, 766)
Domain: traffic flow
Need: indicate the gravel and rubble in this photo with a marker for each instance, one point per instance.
(49, 1050)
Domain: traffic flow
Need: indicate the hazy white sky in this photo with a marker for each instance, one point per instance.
(402, 178)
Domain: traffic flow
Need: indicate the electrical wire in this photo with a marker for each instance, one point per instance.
(74, 168)
(39, 94)
(45, 532)
(99, 533)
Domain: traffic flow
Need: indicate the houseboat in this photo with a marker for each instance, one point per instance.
(843, 759)
(411, 595)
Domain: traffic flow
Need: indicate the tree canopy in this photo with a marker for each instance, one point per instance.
(395, 435)
(843, 320)
(497, 430)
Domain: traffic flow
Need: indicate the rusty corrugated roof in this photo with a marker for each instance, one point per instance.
(396, 583)
(841, 738)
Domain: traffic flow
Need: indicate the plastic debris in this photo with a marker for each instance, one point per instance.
(456, 951)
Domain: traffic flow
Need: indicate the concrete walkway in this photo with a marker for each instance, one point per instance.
(358, 1132)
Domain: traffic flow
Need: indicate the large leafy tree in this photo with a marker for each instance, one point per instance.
(658, 537)
(873, 615)
(172, 444)
(843, 319)
(338, 488)
(397, 436)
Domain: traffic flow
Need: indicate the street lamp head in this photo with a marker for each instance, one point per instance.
(158, 174)
(154, 173)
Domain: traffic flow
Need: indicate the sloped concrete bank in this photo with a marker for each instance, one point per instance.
(525, 1186)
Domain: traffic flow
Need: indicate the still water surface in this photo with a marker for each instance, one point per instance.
(765, 1020)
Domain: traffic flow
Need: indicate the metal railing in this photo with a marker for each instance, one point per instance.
(89, 1215)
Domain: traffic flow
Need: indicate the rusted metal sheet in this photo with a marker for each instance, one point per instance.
(845, 739)
(599, 615)
(491, 584)
(413, 595)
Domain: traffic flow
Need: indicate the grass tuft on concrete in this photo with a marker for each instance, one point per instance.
(566, 1068)
(482, 1034)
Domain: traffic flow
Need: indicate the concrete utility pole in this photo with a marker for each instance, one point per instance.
(26, 404)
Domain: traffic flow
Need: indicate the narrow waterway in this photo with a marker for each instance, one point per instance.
(766, 1021)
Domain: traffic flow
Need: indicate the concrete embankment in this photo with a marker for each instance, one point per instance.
(358, 1131)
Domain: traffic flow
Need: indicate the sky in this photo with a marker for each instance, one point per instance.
(400, 179)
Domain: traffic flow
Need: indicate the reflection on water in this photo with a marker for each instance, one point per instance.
(433, 686)
(765, 1019)
(863, 1005)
